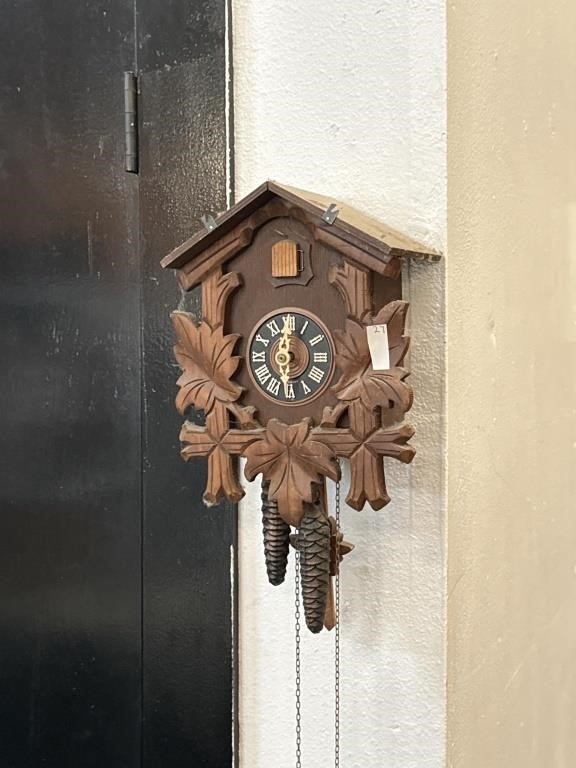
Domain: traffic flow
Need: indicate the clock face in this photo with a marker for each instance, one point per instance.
(290, 356)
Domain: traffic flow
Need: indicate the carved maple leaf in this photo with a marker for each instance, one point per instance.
(205, 356)
(358, 380)
(292, 462)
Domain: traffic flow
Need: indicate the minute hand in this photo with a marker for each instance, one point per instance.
(283, 355)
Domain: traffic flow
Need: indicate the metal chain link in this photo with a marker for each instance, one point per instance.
(298, 650)
(337, 644)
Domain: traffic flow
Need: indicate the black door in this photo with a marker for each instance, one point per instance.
(115, 607)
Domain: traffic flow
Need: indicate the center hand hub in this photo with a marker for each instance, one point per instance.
(283, 358)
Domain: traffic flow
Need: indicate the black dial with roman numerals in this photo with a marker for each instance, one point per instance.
(290, 356)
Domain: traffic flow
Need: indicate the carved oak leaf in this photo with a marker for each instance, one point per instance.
(205, 356)
(359, 381)
(292, 462)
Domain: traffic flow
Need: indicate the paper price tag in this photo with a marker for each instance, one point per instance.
(378, 345)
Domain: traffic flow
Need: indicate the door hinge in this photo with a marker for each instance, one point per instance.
(130, 122)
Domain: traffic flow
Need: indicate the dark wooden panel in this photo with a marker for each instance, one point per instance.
(254, 264)
(187, 594)
(69, 391)
(177, 32)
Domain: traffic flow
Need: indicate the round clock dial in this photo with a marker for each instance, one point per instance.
(290, 356)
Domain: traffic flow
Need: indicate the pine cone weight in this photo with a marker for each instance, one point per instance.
(313, 543)
(276, 538)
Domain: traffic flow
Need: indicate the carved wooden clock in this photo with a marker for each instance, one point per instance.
(297, 362)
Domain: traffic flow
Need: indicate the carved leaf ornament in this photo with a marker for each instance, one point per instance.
(295, 458)
(205, 356)
(358, 380)
(293, 463)
(385, 389)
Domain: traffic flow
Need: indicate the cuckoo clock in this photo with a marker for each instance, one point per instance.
(298, 362)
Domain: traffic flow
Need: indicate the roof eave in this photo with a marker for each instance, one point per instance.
(341, 235)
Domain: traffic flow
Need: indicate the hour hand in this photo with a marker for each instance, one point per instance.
(285, 377)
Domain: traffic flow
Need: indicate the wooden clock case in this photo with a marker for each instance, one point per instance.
(349, 275)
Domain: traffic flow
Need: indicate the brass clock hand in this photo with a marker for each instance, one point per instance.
(285, 378)
(283, 354)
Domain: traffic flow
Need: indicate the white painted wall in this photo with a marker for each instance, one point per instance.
(348, 99)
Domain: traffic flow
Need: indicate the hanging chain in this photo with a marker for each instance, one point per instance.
(298, 649)
(337, 643)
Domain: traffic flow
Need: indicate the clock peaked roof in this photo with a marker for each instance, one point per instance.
(357, 236)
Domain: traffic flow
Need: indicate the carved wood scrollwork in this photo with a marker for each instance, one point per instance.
(372, 399)
(293, 458)
(205, 354)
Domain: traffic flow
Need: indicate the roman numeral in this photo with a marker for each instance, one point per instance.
(273, 326)
(258, 357)
(263, 374)
(306, 388)
(316, 374)
(262, 340)
(316, 339)
(304, 327)
(289, 321)
(273, 386)
(320, 357)
(290, 395)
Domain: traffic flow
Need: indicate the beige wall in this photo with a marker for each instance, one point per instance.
(511, 406)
